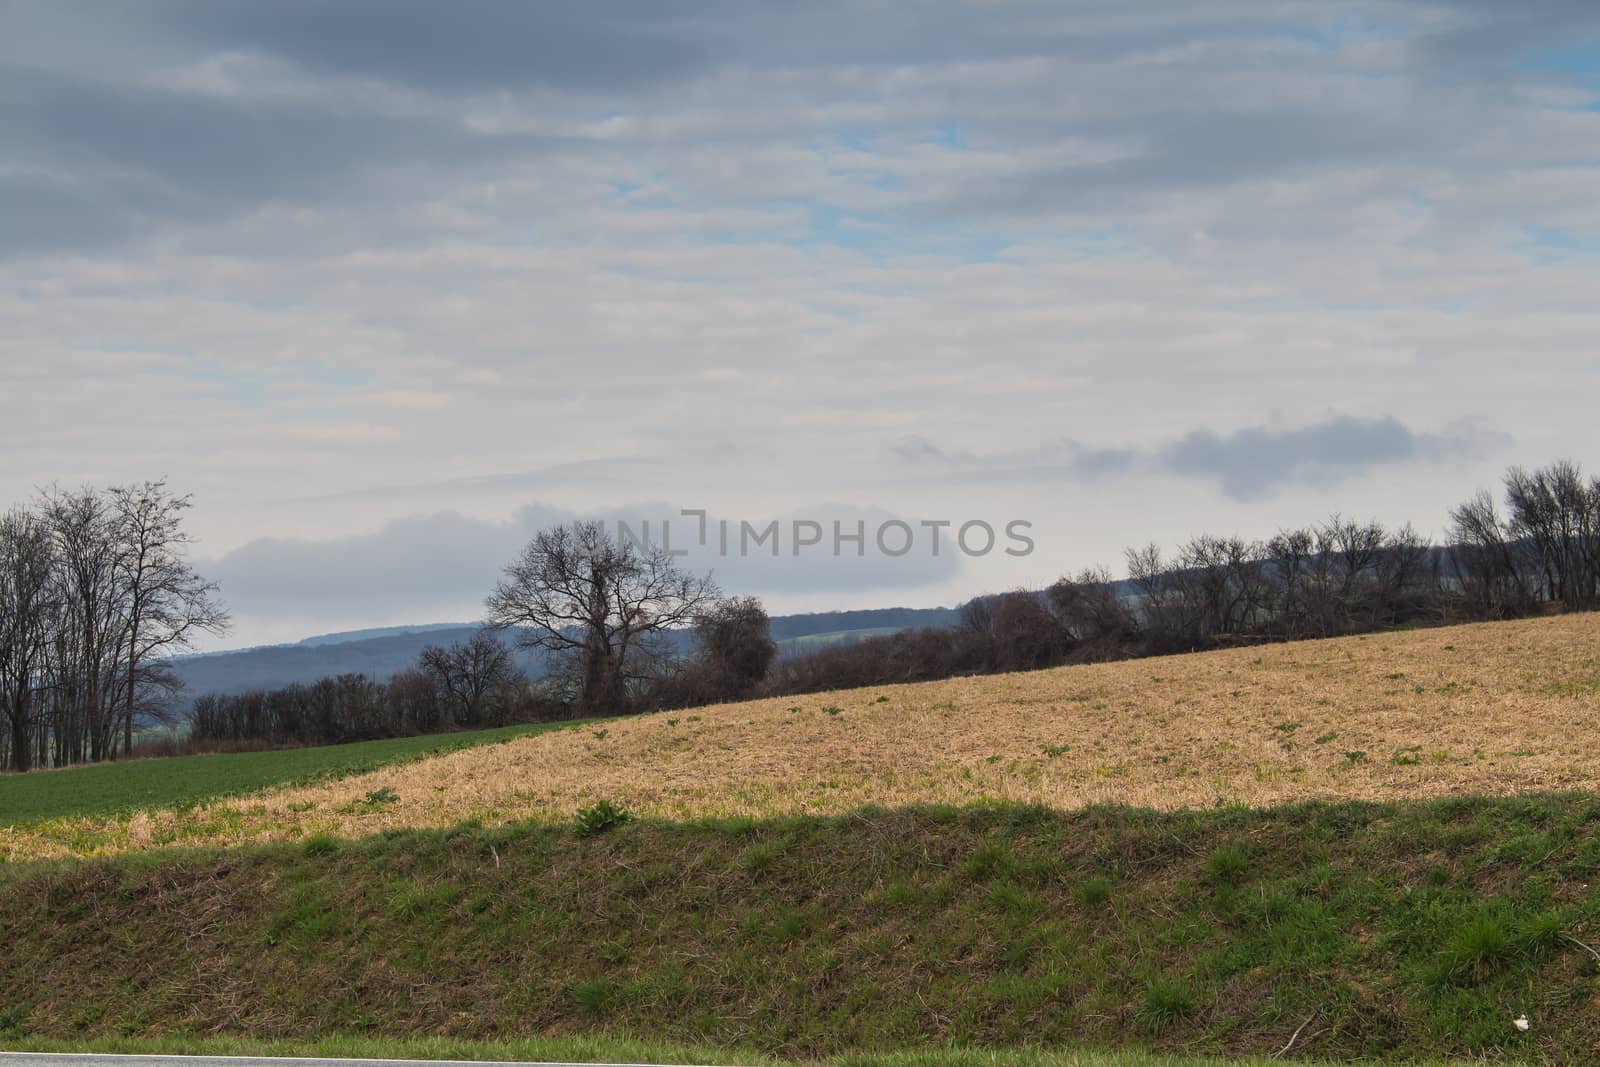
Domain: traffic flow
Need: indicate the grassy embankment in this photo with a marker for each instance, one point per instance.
(602, 1050)
(1374, 930)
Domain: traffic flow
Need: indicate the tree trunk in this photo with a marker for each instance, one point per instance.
(21, 743)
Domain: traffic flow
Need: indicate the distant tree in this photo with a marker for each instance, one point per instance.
(86, 655)
(736, 646)
(1017, 631)
(1487, 564)
(1094, 617)
(166, 604)
(1553, 513)
(27, 621)
(1288, 565)
(469, 674)
(600, 606)
(413, 700)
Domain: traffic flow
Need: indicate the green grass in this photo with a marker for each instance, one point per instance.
(183, 781)
(1393, 932)
(616, 1050)
(812, 642)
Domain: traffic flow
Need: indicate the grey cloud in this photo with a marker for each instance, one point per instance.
(48, 215)
(625, 46)
(143, 160)
(1255, 463)
(1490, 32)
(490, 45)
(1064, 459)
(110, 159)
(1246, 464)
(1182, 150)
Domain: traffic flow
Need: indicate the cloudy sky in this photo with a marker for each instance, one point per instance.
(387, 286)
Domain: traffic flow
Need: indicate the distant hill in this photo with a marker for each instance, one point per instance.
(345, 637)
(383, 652)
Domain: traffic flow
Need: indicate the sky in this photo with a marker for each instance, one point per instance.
(389, 286)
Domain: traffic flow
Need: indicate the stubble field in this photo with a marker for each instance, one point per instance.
(1489, 709)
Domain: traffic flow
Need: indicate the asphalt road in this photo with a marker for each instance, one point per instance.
(61, 1059)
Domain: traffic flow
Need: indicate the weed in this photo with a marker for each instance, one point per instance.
(599, 817)
(375, 800)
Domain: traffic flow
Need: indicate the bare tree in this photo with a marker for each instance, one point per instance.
(1555, 514)
(600, 605)
(1288, 558)
(87, 650)
(27, 621)
(1486, 562)
(469, 673)
(166, 603)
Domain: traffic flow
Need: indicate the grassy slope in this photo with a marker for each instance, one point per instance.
(178, 782)
(612, 1050)
(1487, 709)
(1395, 929)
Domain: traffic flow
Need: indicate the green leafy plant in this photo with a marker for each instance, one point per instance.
(599, 817)
(376, 800)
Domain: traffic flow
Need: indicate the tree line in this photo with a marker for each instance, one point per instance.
(611, 617)
(476, 683)
(95, 597)
(1539, 551)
